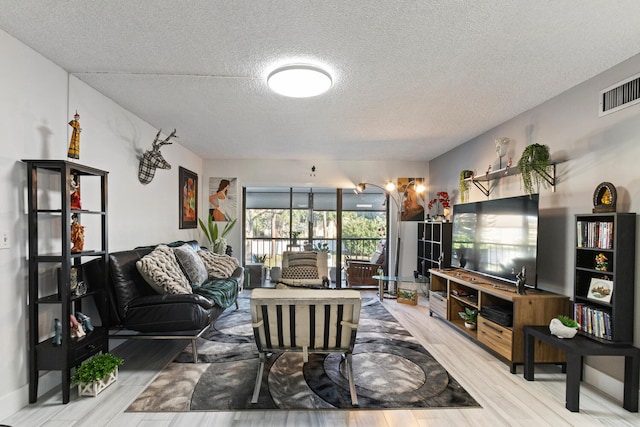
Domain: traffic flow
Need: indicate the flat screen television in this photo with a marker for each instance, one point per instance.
(497, 238)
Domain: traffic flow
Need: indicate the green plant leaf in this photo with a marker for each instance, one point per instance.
(568, 322)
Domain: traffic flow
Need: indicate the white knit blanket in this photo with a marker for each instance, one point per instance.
(218, 266)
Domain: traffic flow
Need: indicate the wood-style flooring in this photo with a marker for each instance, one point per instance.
(507, 399)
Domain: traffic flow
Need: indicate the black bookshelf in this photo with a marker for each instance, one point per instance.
(50, 216)
(434, 240)
(604, 292)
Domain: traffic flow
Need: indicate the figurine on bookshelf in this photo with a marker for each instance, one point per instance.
(77, 235)
(74, 144)
(75, 195)
(602, 262)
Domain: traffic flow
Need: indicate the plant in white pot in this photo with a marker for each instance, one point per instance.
(96, 374)
(563, 327)
(217, 241)
(470, 317)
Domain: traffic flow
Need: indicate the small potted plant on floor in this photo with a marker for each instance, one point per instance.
(96, 374)
(470, 317)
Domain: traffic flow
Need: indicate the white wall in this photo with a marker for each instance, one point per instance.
(38, 100)
(328, 174)
(590, 150)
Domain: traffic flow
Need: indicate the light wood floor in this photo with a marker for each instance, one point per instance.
(506, 399)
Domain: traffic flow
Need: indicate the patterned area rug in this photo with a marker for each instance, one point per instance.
(391, 370)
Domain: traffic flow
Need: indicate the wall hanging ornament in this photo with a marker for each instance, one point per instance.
(74, 143)
(152, 159)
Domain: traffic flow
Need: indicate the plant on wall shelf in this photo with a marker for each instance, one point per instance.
(464, 185)
(534, 162)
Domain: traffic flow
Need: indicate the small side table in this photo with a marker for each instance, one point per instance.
(576, 348)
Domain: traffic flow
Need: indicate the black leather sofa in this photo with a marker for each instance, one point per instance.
(135, 306)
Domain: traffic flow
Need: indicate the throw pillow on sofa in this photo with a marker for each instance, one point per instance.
(191, 264)
(161, 271)
(218, 266)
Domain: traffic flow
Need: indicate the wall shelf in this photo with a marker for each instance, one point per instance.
(478, 180)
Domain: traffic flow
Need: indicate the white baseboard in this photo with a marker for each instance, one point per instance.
(603, 382)
(18, 399)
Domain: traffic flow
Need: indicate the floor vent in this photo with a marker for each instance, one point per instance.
(621, 95)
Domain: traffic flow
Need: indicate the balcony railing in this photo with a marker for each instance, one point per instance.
(269, 250)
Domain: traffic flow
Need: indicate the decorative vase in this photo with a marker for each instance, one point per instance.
(469, 325)
(96, 387)
(276, 273)
(560, 330)
(219, 246)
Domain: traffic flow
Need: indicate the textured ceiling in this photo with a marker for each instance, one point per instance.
(412, 79)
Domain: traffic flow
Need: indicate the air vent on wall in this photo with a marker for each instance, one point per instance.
(620, 95)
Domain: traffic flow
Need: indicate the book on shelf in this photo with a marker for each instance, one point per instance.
(594, 234)
(593, 321)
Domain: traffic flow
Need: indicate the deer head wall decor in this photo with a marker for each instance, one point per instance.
(152, 159)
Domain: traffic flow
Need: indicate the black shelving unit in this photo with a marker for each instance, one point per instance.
(434, 239)
(605, 318)
(50, 255)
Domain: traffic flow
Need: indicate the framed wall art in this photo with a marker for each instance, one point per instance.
(222, 198)
(187, 198)
(600, 290)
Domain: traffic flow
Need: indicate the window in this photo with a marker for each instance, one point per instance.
(281, 219)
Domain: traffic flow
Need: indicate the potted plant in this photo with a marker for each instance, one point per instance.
(563, 327)
(96, 374)
(217, 241)
(535, 160)
(464, 185)
(470, 317)
(294, 237)
(321, 247)
(442, 198)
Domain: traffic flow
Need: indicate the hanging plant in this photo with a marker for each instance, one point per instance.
(464, 185)
(535, 161)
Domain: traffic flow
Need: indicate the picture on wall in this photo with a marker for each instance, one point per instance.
(188, 198)
(412, 202)
(223, 201)
(600, 290)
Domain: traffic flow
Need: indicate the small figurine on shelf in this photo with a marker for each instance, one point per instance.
(76, 328)
(77, 235)
(75, 195)
(57, 338)
(601, 262)
(74, 144)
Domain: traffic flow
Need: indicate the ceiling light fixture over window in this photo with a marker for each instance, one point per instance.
(299, 81)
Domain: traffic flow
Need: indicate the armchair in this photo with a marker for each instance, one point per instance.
(360, 273)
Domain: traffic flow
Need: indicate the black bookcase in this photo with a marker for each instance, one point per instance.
(604, 292)
(51, 263)
(434, 239)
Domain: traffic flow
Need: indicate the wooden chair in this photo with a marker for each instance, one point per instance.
(360, 272)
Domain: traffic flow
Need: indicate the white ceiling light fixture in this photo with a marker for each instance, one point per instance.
(299, 81)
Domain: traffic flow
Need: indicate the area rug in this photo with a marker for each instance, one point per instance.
(391, 369)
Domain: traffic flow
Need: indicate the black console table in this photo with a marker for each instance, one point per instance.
(576, 348)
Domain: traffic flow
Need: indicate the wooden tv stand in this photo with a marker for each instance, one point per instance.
(454, 289)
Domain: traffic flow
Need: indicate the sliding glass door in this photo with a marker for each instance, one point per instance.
(340, 222)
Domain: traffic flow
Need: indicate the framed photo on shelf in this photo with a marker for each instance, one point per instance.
(188, 198)
(600, 290)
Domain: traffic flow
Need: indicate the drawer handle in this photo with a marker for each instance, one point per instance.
(90, 347)
(494, 328)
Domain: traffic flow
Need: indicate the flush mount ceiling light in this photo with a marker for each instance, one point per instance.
(299, 81)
